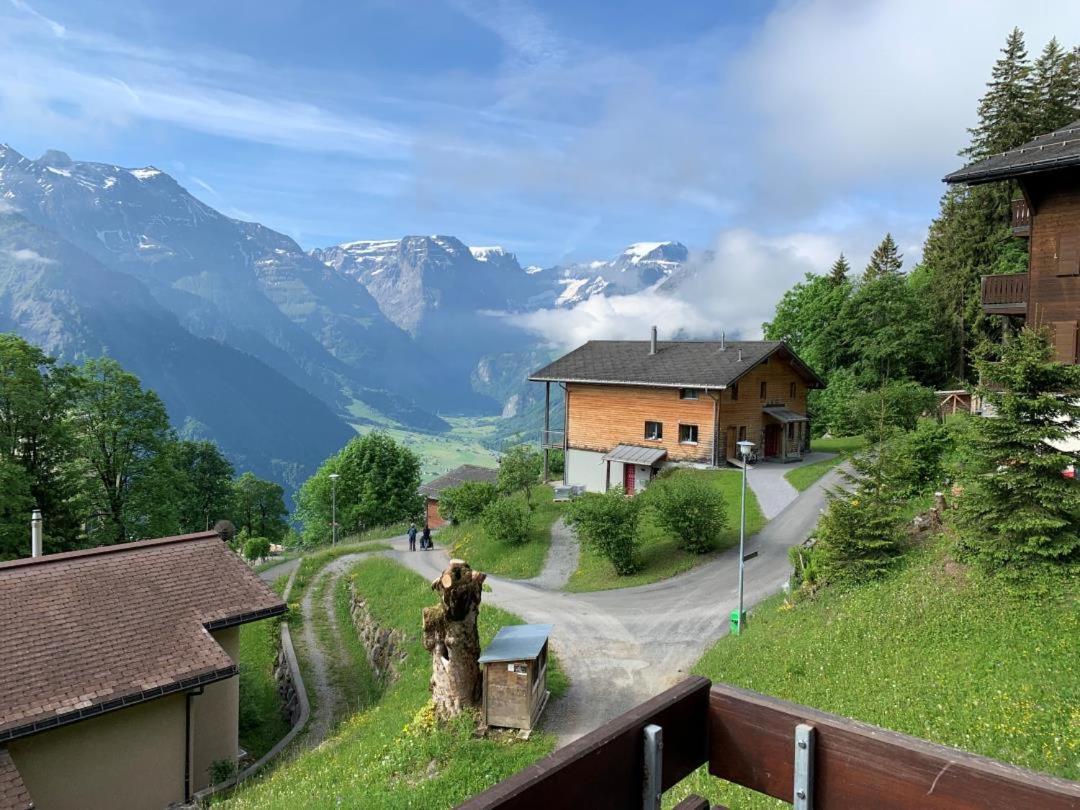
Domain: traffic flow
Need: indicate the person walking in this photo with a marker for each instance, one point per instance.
(412, 537)
(425, 539)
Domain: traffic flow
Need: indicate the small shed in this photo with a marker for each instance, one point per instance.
(515, 676)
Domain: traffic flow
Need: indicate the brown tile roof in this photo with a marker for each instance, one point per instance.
(466, 472)
(13, 793)
(89, 631)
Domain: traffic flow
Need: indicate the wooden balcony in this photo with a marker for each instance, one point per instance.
(1005, 294)
(791, 752)
(1021, 217)
(551, 439)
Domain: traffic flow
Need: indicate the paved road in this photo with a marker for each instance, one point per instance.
(771, 488)
(621, 647)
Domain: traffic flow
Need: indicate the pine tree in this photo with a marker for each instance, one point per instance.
(1017, 508)
(1054, 88)
(1005, 111)
(838, 274)
(886, 260)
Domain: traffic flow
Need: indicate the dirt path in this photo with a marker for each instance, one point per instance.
(562, 559)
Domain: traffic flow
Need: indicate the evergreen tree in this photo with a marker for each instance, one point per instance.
(838, 273)
(886, 260)
(1017, 509)
(1054, 88)
(1006, 110)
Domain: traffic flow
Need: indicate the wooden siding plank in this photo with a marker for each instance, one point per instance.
(751, 739)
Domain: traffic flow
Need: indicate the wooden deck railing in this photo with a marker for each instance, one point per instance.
(751, 740)
(1021, 217)
(1005, 294)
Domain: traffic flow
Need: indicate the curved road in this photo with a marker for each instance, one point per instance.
(621, 647)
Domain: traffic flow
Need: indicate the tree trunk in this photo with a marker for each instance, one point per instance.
(450, 635)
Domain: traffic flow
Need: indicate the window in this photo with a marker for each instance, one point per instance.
(735, 392)
(793, 391)
(654, 431)
(687, 434)
(687, 393)
(764, 389)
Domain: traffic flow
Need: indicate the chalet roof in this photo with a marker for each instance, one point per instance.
(518, 642)
(677, 363)
(86, 632)
(13, 793)
(1059, 149)
(784, 415)
(459, 475)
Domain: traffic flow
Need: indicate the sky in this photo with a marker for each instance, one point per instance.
(774, 134)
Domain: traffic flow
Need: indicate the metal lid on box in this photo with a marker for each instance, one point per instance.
(518, 642)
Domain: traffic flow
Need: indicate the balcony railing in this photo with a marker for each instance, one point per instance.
(1021, 217)
(1005, 294)
(781, 749)
(551, 439)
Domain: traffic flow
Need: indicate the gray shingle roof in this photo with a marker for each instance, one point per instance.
(466, 472)
(1055, 150)
(676, 364)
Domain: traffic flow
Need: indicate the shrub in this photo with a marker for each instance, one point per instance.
(221, 770)
(690, 509)
(608, 523)
(507, 520)
(466, 501)
(919, 455)
(858, 538)
(256, 548)
(519, 469)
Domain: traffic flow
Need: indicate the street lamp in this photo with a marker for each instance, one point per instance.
(744, 450)
(333, 508)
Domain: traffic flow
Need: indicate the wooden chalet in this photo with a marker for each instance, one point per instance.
(432, 490)
(633, 407)
(1047, 214)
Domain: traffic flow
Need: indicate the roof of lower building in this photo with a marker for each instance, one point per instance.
(784, 415)
(518, 642)
(676, 364)
(633, 454)
(86, 632)
(13, 793)
(1055, 150)
(459, 475)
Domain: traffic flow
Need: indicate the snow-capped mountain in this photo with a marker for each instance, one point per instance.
(639, 266)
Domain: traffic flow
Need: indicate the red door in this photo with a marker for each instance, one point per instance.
(772, 440)
(628, 472)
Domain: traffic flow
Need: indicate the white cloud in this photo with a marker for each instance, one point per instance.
(57, 29)
(29, 255)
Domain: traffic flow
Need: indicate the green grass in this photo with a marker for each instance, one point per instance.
(930, 651)
(442, 452)
(658, 553)
(377, 533)
(313, 563)
(469, 541)
(262, 723)
(393, 754)
(839, 444)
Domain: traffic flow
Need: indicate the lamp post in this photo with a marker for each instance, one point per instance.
(744, 450)
(333, 508)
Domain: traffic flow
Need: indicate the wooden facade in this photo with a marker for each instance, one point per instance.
(599, 417)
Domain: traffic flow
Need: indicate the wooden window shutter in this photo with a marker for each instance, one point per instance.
(1065, 341)
(1067, 253)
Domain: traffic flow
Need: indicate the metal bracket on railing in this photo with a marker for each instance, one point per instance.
(652, 791)
(804, 767)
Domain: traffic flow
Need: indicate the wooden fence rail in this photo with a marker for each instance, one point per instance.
(749, 739)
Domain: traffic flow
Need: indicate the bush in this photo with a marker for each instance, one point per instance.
(256, 548)
(466, 501)
(690, 509)
(519, 469)
(919, 456)
(858, 538)
(221, 770)
(609, 524)
(895, 405)
(507, 520)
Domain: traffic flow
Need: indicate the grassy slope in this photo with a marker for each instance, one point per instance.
(440, 452)
(803, 476)
(392, 755)
(261, 721)
(930, 652)
(468, 541)
(658, 552)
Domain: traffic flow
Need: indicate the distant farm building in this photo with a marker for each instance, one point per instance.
(434, 489)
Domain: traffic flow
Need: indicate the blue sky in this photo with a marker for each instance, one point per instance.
(777, 134)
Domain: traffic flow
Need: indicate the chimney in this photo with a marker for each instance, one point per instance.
(652, 343)
(740, 355)
(723, 338)
(35, 533)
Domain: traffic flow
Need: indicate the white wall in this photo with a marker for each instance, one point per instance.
(588, 468)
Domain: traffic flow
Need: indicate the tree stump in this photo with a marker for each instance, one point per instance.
(450, 635)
